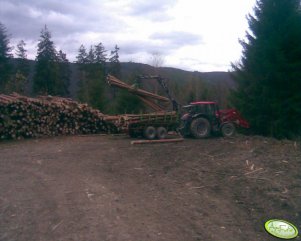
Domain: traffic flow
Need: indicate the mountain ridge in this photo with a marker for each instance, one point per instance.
(181, 82)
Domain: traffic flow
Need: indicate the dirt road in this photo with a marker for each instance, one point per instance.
(102, 188)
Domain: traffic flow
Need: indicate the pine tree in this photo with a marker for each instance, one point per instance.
(81, 63)
(95, 88)
(91, 56)
(64, 73)
(92, 78)
(100, 54)
(5, 55)
(21, 52)
(82, 55)
(269, 73)
(46, 79)
(96, 82)
(18, 82)
(22, 61)
(115, 67)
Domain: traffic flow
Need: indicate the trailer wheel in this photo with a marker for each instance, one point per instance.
(150, 133)
(228, 129)
(200, 128)
(161, 132)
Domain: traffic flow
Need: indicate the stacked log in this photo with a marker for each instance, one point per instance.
(24, 117)
(156, 116)
(146, 97)
(122, 122)
(112, 80)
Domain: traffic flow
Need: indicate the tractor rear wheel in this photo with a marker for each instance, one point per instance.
(161, 132)
(200, 128)
(228, 129)
(149, 132)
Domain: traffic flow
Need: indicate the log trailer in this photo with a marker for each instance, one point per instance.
(200, 119)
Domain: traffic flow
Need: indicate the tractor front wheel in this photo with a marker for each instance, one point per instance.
(200, 128)
(228, 129)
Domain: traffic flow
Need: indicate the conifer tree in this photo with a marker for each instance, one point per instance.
(19, 80)
(269, 73)
(115, 67)
(22, 61)
(82, 55)
(64, 73)
(91, 56)
(92, 78)
(46, 79)
(81, 63)
(21, 52)
(5, 56)
(100, 54)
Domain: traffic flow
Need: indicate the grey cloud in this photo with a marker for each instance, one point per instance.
(65, 7)
(69, 20)
(132, 47)
(24, 19)
(177, 39)
(163, 43)
(144, 7)
(153, 10)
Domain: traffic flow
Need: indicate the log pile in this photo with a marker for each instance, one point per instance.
(150, 117)
(146, 97)
(122, 122)
(23, 117)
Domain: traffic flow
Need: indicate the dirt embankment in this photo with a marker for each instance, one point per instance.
(104, 188)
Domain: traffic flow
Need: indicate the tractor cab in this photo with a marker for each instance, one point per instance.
(208, 108)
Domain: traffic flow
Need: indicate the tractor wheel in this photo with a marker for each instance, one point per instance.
(200, 128)
(228, 129)
(149, 132)
(161, 132)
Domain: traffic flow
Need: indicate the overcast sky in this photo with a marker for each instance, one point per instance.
(196, 35)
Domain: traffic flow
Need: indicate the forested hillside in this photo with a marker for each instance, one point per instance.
(186, 86)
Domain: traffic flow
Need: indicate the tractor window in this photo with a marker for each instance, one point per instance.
(200, 109)
(188, 109)
(211, 109)
(193, 109)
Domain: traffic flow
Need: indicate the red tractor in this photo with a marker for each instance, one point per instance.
(204, 118)
(201, 119)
